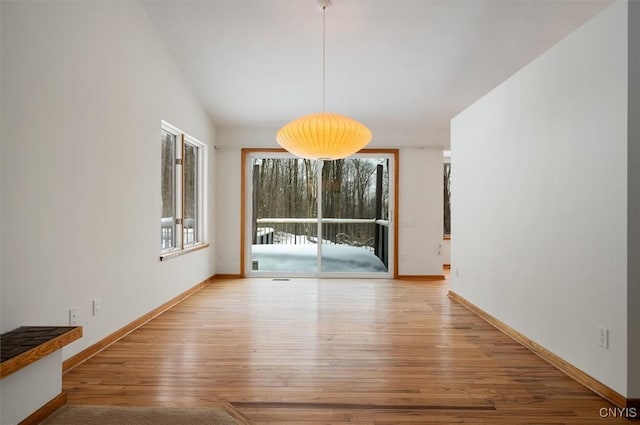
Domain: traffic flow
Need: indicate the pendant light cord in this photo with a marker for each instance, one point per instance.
(324, 56)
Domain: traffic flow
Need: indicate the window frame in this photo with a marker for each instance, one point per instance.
(171, 229)
(179, 246)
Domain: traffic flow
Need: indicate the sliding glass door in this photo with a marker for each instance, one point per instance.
(315, 218)
(284, 219)
(355, 215)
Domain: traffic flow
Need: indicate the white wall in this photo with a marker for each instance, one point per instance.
(445, 251)
(28, 389)
(228, 209)
(540, 199)
(1, 221)
(633, 295)
(85, 86)
(421, 209)
(420, 199)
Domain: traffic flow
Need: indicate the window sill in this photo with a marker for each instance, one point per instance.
(179, 252)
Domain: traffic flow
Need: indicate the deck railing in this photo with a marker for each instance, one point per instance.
(167, 226)
(370, 234)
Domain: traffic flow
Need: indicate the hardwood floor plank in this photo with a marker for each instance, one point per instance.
(333, 351)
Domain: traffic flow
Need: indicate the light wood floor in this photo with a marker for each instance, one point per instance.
(333, 352)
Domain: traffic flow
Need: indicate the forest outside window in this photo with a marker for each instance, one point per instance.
(182, 188)
(447, 200)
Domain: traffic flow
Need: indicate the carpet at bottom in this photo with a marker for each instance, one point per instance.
(113, 415)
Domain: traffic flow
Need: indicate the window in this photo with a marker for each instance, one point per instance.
(182, 185)
(190, 173)
(447, 199)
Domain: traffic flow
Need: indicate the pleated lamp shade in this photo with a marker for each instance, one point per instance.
(323, 136)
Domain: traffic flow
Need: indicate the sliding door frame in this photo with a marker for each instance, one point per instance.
(244, 181)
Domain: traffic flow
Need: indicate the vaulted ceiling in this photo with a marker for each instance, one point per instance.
(392, 64)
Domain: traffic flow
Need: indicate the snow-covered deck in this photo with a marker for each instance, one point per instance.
(303, 258)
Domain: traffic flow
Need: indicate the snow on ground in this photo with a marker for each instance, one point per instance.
(303, 258)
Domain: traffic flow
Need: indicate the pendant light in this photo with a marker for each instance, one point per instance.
(324, 136)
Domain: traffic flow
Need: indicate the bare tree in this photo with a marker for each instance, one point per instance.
(447, 199)
(288, 188)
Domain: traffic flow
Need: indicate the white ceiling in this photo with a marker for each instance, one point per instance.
(392, 64)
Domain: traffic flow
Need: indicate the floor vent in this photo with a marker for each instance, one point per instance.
(281, 279)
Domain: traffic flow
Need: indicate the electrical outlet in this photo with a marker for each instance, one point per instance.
(457, 272)
(73, 316)
(603, 337)
(97, 305)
